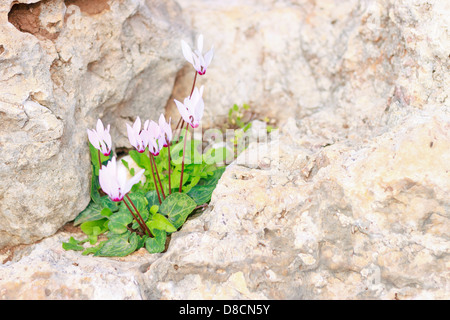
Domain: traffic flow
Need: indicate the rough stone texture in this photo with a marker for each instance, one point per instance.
(45, 271)
(350, 202)
(338, 223)
(290, 219)
(297, 58)
(63, 65)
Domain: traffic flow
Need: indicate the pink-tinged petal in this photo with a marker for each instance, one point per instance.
(130, 183)
(154, 129)
(187, 52)
(93, 138)
(100, 127)
(200, 44)
(196, 63)
(107, 179)
(137, 125)
(183, 110)
(162, 121)
(132, 136)
(108, 143)
(208, 57)
(198, 113)
(146, 123)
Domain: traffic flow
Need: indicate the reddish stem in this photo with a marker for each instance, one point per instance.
(154, 179)
(157, 174)
(182, 163)
(193, 85)
(168, 151)
(141, 221)
(201, 206)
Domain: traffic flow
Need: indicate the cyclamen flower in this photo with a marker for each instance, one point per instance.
(100, 138)
(153, 133)
(192, 109)
(114, 182)
(196, 58)
(166, 130)
(137, 137)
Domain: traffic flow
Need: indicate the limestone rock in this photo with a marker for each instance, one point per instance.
(352, 58)
(45, 271)
(348, 200)
(334, 221)
(64, 65)
(339, 223)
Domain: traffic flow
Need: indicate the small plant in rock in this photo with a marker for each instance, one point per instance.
(138, 201)
(134, 208)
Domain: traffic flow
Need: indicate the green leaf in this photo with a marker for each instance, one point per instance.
(141, 159)
(73, 244)
(94, 210)
(192, 155)
(214, 179)
(119, 245)
(95, 186)
(152, 198)
(218, 155)
(157, 243)
(93, 250)
(94, 227)
(139, 200)
(119, 221)
(154, 209)
(177, 208)
(161, 223)
(201, 193)
(106, 212)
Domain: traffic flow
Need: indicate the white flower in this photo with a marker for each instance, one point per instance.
(114, 182)
(137, 137)
(153, 133)
(100, 138)
(192, 109)
(196, 58)
(166, 130)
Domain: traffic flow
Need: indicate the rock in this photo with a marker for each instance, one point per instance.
(64, 65)
(347, 200)
(298, 58)
(338, 222)
(45, 271)
(364, 222)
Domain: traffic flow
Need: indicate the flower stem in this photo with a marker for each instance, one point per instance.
(154, 179)
(168, 152)
(159, 180)
(181, 121)
(201, 206)
(182, 163)
(193, 85)
(99, 159)
(141, 222)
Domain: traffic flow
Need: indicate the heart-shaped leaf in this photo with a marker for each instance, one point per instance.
(177, 208)
(119, 245)
(160, 222)
(157, 243)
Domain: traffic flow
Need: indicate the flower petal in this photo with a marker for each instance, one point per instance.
(187, 51)
(130, 183)
(200, 44)
(183, 110)
(93, 138)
